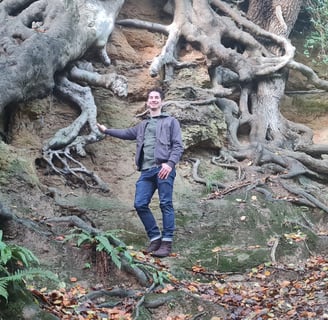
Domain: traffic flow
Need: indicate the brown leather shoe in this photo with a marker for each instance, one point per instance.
(164, 250)
(153, 246)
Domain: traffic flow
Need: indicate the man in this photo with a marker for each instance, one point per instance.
(159, 149)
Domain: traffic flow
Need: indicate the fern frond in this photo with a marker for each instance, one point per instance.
(3, 289)
(111, 235)
(104, 244)
(116, 259)
(69, 237)
(24, 255)
(5, 254)
(84, 238)
(3, 269)
(2, 245)
(128, 256)
(29, 274)
(107, 242)
(21, 275)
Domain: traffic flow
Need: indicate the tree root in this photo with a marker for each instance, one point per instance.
(300, 192)
(141, 301)
(125, 293)
(83, 72)
(302, 225)
(268, 64)
(77, 174)
(285, 164)
(6, 216)
(225, 165)
(57, 152)
(66, 140)
(186, 25)
(5, 213)
(196, 163)
(309, 74)
(115, 292)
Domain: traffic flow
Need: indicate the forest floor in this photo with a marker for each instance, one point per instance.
(279, 292)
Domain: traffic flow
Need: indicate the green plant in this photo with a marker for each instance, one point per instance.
(213, 179)
(107, 243)
(103, 243)
(87, 265)
(158, 276)
(318, 37)
(15, 262)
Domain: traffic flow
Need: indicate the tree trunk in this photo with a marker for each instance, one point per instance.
(278, 18)
(41, 43)
(39, 38)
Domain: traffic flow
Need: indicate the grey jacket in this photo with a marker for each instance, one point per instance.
(168, 148)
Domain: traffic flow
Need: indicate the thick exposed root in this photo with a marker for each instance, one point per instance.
(59, 151)
(273, 173)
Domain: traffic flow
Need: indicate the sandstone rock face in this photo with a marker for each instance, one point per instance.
(202, 126)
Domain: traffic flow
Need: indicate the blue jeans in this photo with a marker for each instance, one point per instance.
(146, 186)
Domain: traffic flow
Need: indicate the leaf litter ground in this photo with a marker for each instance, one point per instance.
(270, 291)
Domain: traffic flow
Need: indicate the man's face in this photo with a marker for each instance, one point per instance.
(154, 101)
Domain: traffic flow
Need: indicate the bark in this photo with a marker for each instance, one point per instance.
(273, 15)
(39, 38)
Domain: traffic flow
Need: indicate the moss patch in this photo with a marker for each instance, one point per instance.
(13, 165)
(236, 234)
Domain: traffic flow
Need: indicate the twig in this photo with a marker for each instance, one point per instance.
(273, 250)
(141, 301)
(198, 315)
(301, 225)
(217, 275)
(7, 215)
(116, 292)
(307, 247)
